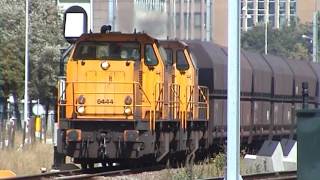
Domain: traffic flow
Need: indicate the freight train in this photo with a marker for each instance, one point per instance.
(132, 98)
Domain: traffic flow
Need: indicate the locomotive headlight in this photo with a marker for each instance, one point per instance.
(128, 100)
(105, 65)
(81, 99)
(127, 111)
(81, 109)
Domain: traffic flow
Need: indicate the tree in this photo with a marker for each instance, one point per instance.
(45, 41)
(286, 41)
(11, 51)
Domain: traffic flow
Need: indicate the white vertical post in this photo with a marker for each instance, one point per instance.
(265, 37)
(315, 37)
(26, 62)
(174, 20)
(191, 19)
(115, 15)
(202, 6)
(111, 13)
(182, 25)
(266, 21)
(208, 20)
(233, 137)
(188, 19)
(91, 16)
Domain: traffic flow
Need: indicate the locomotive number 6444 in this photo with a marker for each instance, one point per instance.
(104, 101)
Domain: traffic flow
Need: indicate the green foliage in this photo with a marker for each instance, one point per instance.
(45, 39)
(213, 167)
(286, 41)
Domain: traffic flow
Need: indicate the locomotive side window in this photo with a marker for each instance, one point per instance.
(150, 56)
(182, 63)
(107, 50)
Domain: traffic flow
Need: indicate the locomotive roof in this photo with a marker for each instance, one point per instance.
(173, 43)
(118, 36)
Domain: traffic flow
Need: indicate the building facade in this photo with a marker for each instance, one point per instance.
(192, 19)
(306, 8)
(182, 19)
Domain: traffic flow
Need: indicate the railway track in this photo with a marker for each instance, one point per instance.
(285, 175)
(101, 172)
(87, 173)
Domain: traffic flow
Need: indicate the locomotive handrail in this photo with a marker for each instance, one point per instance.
(113, 82)
(79, 92)
(160, 96)
(205, 98)
(136, 87)
(106, 105)
(204, 94)
(159, 100)
(176, 95)
(190, 101)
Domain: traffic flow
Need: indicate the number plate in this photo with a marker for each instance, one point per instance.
(104, 101)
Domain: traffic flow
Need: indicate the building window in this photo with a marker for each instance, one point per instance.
(271, 7)
(260, 18)
(271, 20)
(250, 5)
(282, 7)
(197, 20)
(293, 7)
(177, 20)
(187, 17)
(261, 4)
(282, 20)
(250, 13)
(250, 22)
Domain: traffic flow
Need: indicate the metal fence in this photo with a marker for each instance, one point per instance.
(35, 129)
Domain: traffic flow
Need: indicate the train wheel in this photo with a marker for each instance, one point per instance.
(91, 165)
(84, 165)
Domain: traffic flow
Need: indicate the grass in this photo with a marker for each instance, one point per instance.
(27, 160)
(212, 167)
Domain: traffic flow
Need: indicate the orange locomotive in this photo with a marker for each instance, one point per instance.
(129, 97)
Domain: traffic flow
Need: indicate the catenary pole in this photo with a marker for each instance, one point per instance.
(26, 62)
(233, 138)
(315, 37)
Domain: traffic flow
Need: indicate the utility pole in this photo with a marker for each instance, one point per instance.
(26, 62)
(315, 37)
(265, 37)
(233, 101)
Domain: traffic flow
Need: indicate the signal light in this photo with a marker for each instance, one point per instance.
(75, 23)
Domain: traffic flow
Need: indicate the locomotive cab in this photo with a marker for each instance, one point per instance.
(113, 94)
(186, 98)
(105, 77)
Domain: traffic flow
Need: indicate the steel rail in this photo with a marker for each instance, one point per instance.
(49, 175)
(284, 175)
(87, 173)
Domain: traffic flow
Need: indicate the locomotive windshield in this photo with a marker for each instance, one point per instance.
(182, 63)
(107, 50)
